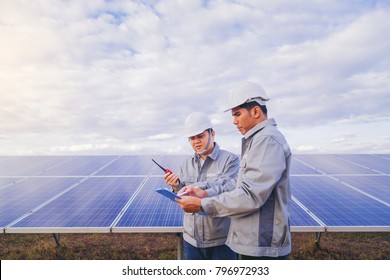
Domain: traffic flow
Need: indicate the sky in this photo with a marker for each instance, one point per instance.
(120, 77)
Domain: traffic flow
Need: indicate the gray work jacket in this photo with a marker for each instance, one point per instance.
(259, 205)
(217, 175)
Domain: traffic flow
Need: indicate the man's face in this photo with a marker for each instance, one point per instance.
(199, 142)
(243, 119)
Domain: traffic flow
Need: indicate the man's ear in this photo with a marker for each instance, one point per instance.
(257, 113)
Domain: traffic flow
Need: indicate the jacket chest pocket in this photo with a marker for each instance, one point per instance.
(189, 180)
(212, 176)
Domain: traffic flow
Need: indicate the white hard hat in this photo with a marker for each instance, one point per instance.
(196, 123)
(247, 92)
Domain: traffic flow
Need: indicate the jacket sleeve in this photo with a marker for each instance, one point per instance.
(226, 182)
(181, 183)
(260, 169)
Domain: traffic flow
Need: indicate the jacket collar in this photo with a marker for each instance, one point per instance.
(213, 155)
(259, 127)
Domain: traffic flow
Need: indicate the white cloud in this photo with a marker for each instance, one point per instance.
(307, 149)
(163, 136)
(342, 138)
(374, 118)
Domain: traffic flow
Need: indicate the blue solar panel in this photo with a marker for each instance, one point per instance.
(79, 166)
(301, 219)
(298, 167)
(95, 203)
(377, 186)
(7, 181)
(117, 193)
(27, 166)
(377, 163)
(332, 164)
(150, 209)
(128, 165)
(20, 198)
(385, 156)
(337, 205)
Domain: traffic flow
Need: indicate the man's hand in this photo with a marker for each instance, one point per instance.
(190, 204)
(192, 190)
(172, 179)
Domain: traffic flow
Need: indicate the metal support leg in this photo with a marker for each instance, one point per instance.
(180, 246)
(57, 238)
(318, 237)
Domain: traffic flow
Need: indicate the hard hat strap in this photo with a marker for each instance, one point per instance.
(259, 100)
(208, 143)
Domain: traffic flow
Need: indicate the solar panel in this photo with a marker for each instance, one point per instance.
(128, 165)
(27, 166)
(385, 156)
(303, 220)
(117, 193)
(7, 181)
(150, 211)
(376, 163)
(91, 206)
(78, 166)
(298, 167)
(21, 198)
(376, 186)
(332, 164)
(338, 206)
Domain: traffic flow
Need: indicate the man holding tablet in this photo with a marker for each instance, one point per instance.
(214, 171)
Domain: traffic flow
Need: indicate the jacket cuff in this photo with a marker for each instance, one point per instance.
(211, 192)
(208, 207)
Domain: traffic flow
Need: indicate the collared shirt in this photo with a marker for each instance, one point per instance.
(217, 174)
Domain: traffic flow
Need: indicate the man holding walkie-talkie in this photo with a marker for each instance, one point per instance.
(214, 171)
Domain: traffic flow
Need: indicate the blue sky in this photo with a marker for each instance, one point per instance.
(120, 77)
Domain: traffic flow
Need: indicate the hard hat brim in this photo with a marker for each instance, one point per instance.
(259, 101)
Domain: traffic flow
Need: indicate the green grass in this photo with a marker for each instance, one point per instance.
(163, 246)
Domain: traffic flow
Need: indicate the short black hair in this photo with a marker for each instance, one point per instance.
(250, 105)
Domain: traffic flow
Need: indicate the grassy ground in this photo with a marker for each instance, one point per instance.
(163, 246)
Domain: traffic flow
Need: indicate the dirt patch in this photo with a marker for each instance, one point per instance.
(163, 246)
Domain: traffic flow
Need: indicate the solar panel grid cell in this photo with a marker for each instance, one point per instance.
(150, 209)
(337, 205)
(301, 218)
(377, 186)
(20, 198)
(298, 167)
(78, 166)
(128, 165)
(385, 156)
(5, 182)
(93, 203)
(332, 164)
(378, 164)
(28, 166)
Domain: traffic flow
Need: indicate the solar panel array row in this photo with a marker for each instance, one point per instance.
(117, 194)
